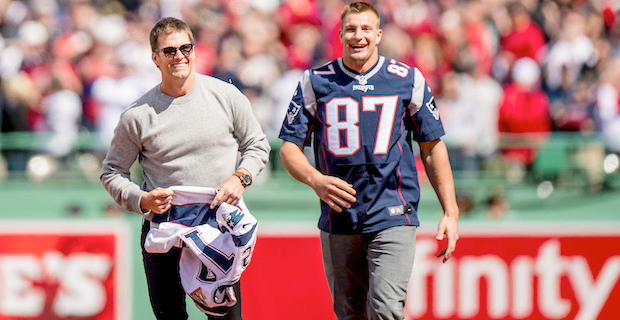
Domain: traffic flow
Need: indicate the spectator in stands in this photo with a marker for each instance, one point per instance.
(459, 117)
(523, 37)
(498, 207)
(571, 52)
(469, 105)
(520, 37)
(259, 36)
(62, 114)
(479, 35)
(228, 59)
(574, 110)
(19, 94)
(427, 55)
(466, 201)
(305, 49)
(608, 103)
(330, 24)
(397, 44)
(524, 118)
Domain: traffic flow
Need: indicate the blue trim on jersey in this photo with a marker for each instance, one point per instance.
(363, 126)
(190, 215)
(243, 239)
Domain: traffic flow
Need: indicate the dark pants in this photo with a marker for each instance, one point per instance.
(165, 290)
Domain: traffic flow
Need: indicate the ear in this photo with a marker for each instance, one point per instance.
(155, 59)
(379, 35)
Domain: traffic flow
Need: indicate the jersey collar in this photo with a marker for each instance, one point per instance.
(362, 78)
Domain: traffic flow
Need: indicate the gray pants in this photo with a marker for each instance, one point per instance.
(368, 274)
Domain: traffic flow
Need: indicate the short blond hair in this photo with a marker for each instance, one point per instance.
(168, 25)
(359, 7)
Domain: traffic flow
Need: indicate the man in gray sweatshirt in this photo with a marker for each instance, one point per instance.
(190, 130)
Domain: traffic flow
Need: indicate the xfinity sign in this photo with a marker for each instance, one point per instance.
(518, 274)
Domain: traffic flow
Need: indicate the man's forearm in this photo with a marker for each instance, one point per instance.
(439, 172)
(295, 162)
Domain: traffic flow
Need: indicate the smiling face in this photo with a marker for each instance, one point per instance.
(360, 34)
(176, 71)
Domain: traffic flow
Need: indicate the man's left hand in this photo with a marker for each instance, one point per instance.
(230, 191)
(448, 226)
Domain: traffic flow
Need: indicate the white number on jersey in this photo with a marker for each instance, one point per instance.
(399, 70)
(348, 128)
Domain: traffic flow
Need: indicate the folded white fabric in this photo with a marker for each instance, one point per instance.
(217, 245)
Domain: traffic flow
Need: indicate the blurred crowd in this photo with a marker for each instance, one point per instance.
(499, 69)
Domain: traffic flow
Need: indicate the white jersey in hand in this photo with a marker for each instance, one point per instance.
(217, 245)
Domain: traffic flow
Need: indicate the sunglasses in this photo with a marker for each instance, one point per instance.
(171, 52)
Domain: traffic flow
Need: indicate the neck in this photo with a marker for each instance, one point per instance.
(360, 66)
(178, 87)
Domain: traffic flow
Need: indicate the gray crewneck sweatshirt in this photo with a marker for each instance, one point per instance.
(198, 139)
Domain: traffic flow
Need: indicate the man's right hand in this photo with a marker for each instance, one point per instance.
(337, 193)
(157, 200)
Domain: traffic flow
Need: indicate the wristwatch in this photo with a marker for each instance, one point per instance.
(246, 179)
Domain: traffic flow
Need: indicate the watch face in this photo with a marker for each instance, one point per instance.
(246, 179)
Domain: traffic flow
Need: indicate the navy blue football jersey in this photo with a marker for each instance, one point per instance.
(362, 127)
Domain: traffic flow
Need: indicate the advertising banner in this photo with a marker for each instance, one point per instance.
(64, 270)
(498, 272)
(519, 272)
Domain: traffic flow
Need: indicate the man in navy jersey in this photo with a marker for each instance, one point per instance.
(362, 112)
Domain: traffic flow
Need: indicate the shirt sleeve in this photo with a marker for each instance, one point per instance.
(298, 123)
(423, 111)
(253, 143)
(122, 153)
